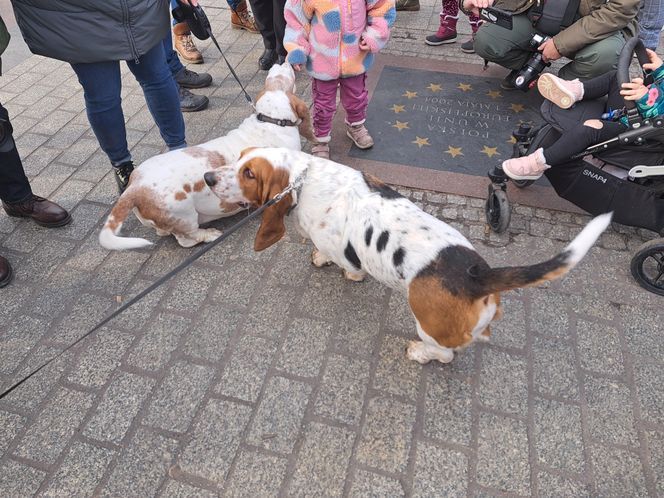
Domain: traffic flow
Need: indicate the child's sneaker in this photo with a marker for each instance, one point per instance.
(529, 167)
(559, 91)
(359, 135)
(446, 34)
(321, 150)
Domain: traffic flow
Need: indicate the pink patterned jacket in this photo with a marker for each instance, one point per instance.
(324, 35)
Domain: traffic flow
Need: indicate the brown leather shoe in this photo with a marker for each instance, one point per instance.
(184, 44)
(242, 18)
(44, 212)
(5, 272)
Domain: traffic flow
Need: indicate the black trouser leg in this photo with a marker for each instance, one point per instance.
(605, 84)
(279, 23)
(263, 14)
(578, 138)
(14, 185)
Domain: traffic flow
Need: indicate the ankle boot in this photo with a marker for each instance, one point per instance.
(446, 32)
(184, 44)
(408, 5)
(241, 18)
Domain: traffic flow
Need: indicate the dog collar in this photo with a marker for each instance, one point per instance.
(278, 122)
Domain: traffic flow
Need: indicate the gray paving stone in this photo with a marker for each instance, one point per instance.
(269, 315)
(448, 408)
(246, 370)
(503, 381)
(643, 328)
(621, 473)
(88, 310)
(279, 415)
(176, 489)
(549, 313)
(342, 390)
(57, 422)
(63, 287)
(325, 456)
(294, 264)
(655, 442)
(256, 474)
(368, 484)
(649, 380)
(237, 281)
(386, 435)
(19, 480)
(142, 466)
(551, 486)
(395, 373)
(439, 472)
(10, 425)
(18, 339)
(302, 351)
(159, 342)
(599, 348)
(610, 412)
(215, 440)
(510, 330)
(558, 438)
(554, 368)
(80, 472)
(42, 262)
(502, 457)
(355, 335)
(118, 407)
(26, 238)
(209, 337)
(85, 218)
(399, 318)
(112, 276)
(189, 290)
(39, 159)
(100, 358)
(175, 402)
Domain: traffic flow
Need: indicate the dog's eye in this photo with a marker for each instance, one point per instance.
(249, 174)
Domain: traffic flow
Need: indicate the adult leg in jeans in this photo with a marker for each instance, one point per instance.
(594, 59)
(651, 20)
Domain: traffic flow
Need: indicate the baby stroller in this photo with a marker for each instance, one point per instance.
(628, 181)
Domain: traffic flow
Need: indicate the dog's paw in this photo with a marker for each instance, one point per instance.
(162, 233)
(211, 234)
(318, 259)
(355, 277)
(416, 352)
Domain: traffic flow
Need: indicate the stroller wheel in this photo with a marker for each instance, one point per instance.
(497, 210)
(523, 183)
(648, 266)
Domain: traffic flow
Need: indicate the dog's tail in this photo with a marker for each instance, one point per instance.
(502, 279)
(108, 237)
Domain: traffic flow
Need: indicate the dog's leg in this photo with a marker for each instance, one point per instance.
(355, 276)
(318, 259)
(162, 233)
(197, 236)
(423, 353)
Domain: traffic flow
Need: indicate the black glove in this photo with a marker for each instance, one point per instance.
(196, 19)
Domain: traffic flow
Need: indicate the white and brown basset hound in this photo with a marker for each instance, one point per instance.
(362, 225)
(167, 192)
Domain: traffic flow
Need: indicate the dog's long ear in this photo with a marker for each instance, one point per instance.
(302, 110)
(246, 151)
(272, 227)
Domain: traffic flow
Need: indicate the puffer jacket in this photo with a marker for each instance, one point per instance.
(598, 20)
(324, 35)
(652, 103)
(92, 30)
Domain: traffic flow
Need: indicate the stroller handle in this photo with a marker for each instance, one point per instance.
(624, 61)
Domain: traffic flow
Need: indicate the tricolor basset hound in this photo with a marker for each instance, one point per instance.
(363, 226)
(167, 191)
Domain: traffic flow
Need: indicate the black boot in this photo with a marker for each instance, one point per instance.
(266, 61)
(5, 272)
(122, 174)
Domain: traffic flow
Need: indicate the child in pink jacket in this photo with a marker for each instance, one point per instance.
(335, 40)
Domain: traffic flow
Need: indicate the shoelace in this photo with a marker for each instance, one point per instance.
(188, 43)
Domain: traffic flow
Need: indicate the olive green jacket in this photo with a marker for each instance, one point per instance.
(599, 19)
(4, 40)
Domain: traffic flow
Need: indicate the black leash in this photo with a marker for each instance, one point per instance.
(156, 284)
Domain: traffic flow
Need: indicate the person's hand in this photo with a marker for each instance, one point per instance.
(655, 61)
(633, 90)
(549, 51)
(297, 67)
(364, 45)
(474, 6)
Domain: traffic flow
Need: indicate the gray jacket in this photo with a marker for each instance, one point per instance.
(92, 30)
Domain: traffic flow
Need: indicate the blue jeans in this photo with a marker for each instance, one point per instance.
(651, 20)
(101, 86)
(172, 58)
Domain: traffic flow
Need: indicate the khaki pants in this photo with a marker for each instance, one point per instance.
(510, 49)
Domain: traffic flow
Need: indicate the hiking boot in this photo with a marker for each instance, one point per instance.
(241, 18)
(508, 81)
(184, 44)
(468, 47)
(266, 61)
(5, 272)
(42, 211)
(529, 167)
(321, 150)
(191, 79)
(360, 136)
(122, 175)
(446, 32)
(190, 102)
(408, 5)
(559, 91)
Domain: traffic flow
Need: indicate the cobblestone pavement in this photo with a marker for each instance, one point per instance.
(258, 375)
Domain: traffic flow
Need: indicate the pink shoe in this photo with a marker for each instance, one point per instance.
(359, 135)
(528, 167)
(321, 150)
(561, 92)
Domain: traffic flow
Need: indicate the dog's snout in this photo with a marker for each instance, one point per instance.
(210, 178)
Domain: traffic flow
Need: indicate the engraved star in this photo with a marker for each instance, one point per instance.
(517, 107)
(398, 108)
(490, 151)
(420, 141)
(435, 88)
(454, 151)
(494, 94)
(465, 87)
(409, 95)
(401, 125)
(512, 140)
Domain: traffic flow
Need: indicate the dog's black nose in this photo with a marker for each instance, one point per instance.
(210, 179)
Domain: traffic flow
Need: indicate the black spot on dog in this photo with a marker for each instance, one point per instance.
(382, 240)
(398, 256)
(376, 185)
(351, 256)
(367, 235)
(424, 228)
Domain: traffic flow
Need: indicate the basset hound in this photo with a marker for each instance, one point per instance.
(167, 192)
(357, 222)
